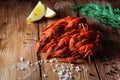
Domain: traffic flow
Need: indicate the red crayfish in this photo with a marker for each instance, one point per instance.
(69, 39)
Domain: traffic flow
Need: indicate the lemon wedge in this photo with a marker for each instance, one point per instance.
(37, 13)
(50, 13)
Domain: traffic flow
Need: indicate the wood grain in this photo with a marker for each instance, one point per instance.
(18, 39)
(63, 10)
(15, 41)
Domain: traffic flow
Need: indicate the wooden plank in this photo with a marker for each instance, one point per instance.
(107, 62)
(88, 71)
(17, 38)
(46, 69)
(64, 8)
(51, 70)
(92, 66)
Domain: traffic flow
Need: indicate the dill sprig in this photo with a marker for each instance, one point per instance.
(103, 13)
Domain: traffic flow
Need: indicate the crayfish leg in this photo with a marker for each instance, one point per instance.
(88, 54)
(60, 52)
(89, 60)
(50, 51)
(69, 59)
(38, 44)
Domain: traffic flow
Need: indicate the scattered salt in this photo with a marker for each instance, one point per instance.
(46, 61)
(21, 68)
(28, 62)
(60, 74)
(44, 75)
(67, 67)
(77, 68)
(63, 67)
(71, 68)
(57, 65)
(31, 64)
(36, 62)
(21, 58)
(63, 70)
(52, 60)
(54, 70)
(71, 65)
(39, 61)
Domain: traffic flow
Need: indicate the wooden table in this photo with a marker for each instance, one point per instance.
(18, 39)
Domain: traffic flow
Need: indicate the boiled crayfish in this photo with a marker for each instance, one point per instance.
(69, 39)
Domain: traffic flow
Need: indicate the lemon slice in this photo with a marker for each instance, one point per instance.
(37, 13)
(50, 13)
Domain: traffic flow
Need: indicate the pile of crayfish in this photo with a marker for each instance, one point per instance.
(69, 39)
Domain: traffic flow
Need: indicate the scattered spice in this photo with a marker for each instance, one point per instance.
(113, 71)
(24, 42)
(91, 74)
(108, 73)
(105, 63)
(28, 33)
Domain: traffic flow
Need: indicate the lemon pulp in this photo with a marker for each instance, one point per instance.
(37, 13)
(49, 13)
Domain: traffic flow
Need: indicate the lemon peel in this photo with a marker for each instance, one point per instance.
(37, 13)
(50, 13)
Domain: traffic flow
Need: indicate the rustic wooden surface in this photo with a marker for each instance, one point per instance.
(18, 39)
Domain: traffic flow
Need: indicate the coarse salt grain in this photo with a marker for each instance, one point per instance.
(45, 75)
(31, 64)
(54, 59)
(67, 67)
(28, 62)
(60, 74)
(54, 70)
(77, 68)
(66, 77)
(36, 62)
(57, 65)
(39, 61)
(21, 68)
(21, 59)
(51, 61)
(71, 65)
(71, 68)
(63, 67)
(63, 70)
(46, 61)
